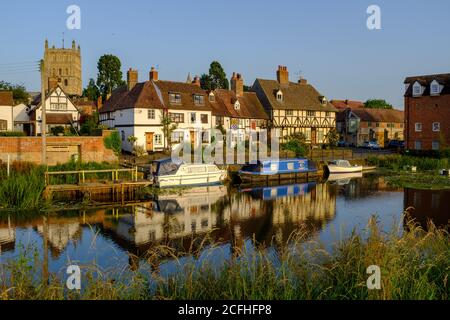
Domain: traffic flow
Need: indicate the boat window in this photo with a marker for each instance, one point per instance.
(251, 167)
(167, 168)
(290, 166)
(274, 167)
(197, 169)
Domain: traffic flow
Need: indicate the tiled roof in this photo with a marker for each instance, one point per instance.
(426, 80)
(57, 118)
(6, 98)
(379, 115)
(295, 96)
(344, 104)
(187, 91)
(250, 107)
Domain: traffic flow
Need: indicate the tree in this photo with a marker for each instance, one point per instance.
(377, 104)
(89, 123)
(109, 74)
(168, 128)
(332, 137)
(215, 79)
(20, 94)
(113, 142)
(92, 92)
(296, 143)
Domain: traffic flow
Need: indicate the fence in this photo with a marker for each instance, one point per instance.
(346, 154)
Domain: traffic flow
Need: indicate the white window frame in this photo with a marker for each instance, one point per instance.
(415, 87)
(416, 143)
(436, 85)
(435, 145)
(418, 127)
(436, 126)
(158, 139)
(151, 114)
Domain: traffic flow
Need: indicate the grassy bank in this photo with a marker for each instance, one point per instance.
(400, 162)
(414, 265)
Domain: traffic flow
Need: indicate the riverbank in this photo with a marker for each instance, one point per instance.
(414, 264)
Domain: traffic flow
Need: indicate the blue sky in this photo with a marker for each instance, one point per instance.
(327, 40)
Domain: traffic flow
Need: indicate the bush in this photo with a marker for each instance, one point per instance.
(113, 142)
(12, 134)
(57, 130)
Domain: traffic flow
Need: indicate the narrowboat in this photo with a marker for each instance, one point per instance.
(265, 170)
(168, 173)
(342, 166)
(277, 192)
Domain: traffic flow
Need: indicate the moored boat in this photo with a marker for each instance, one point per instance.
(167, 173)
(264, 170)
(343, 166)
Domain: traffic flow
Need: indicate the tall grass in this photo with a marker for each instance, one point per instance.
(399, 162)
(414, 265)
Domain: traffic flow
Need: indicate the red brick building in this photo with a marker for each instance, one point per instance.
(427, 112)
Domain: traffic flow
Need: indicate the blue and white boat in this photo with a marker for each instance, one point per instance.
(271, 169)
(277, 192)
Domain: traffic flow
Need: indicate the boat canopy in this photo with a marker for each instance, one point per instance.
(341, 163)
(165, 167)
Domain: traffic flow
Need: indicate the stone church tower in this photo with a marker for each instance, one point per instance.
(63, 67)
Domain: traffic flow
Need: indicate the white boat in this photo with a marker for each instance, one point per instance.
(167, 173)
(343, 166)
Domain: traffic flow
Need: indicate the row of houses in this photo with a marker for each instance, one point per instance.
(137, 109)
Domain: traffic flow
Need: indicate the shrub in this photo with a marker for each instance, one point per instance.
(113, 142)
(12, 134)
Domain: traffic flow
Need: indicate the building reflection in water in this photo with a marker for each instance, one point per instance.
(425, 205)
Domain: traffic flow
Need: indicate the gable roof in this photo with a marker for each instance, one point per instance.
(344, 104)
(6, 98)
(187, 91)
(426, 80)
(250, 107)
(295, 96)
(379, 115)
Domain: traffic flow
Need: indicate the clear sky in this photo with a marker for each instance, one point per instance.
(327, 40)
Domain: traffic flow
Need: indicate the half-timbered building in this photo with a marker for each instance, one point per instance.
(296, 107)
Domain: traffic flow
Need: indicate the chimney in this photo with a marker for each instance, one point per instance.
(302, 81)
(197, 81)
(283, 75)
(99, 102)
(52, 83)
(237, 84)
(132, 78)
(153, 74)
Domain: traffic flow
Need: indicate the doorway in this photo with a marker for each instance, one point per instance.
(149, 141)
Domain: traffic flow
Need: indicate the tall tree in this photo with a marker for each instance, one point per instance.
(377, 104)
(109, 74)
(91, 92)
(20, 94)
(215, 79)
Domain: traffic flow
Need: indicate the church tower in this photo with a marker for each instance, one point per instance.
(63, 67)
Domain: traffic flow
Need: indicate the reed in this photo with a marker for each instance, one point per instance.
(415, 264)
(400, 162)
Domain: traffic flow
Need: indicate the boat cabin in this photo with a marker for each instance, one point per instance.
(278, 166)
(341, 163)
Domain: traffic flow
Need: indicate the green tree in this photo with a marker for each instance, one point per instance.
(109, 74)
(168, 128)
(113, 142)
(377, 104)
(333, 137)
(296, 143)
(89, 123)
(92, 92)
(215, 79)
(20, 94)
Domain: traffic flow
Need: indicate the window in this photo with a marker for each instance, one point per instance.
(204, 118)
(435, 88)
(176, 117)
(237, 105)
(328, 114)
(212, 97)
(158, 139)
(177, 136)
(151, 114)
(369, 124)
(199, 100)
(436, 126)
(3, 125)
(418, 145)
(220, 121)
(310, 113)
(175, 98)
(205, 137)
(66, 82)
(435, 145)
(378, 124)
(418, 127)
(58, 106)
(289, 112)
(193, 117)
(417, 89)
(280, 96)
(123, 135)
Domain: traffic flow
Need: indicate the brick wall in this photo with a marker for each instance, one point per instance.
(30, 149)
(426, 110)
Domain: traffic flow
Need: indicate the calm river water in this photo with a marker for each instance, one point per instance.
(120, 237)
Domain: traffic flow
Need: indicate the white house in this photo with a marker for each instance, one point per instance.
(12, 117)
(60, 112)
(138, 109)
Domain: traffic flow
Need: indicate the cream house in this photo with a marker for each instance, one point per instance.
(12, 116)
(138, 109)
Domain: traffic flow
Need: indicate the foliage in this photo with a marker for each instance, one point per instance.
(57, 130)
(297, 144)
(401, 162)
(168, 128)
(377, 104)
(92, 92)
(109, 74)
(89, 123)
(332, 137)
(12, 134)
(20, 94)
(113, 142)
(139, 151)
(215, 79)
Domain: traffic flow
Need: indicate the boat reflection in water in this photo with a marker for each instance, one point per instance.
(425, 205)
(344, 178)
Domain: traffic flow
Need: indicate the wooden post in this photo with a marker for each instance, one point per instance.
(84, 178)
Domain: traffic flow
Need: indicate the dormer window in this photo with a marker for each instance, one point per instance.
(237, 105)
(199, 100)
(323, 100)
(212, 97)
(175, 98)
(280, 96)
(435, 88)
(417, 89)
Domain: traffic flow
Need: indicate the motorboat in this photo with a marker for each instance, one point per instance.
(343, 166)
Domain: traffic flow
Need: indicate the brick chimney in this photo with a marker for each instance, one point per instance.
(283, 75)
(197, 81)
(153, 75)
(132, 78)
(237, 84)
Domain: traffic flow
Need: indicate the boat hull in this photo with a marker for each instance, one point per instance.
(333, 169)
(252, 177)
(191, 179)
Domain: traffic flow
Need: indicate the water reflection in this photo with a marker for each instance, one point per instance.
(229, 216)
